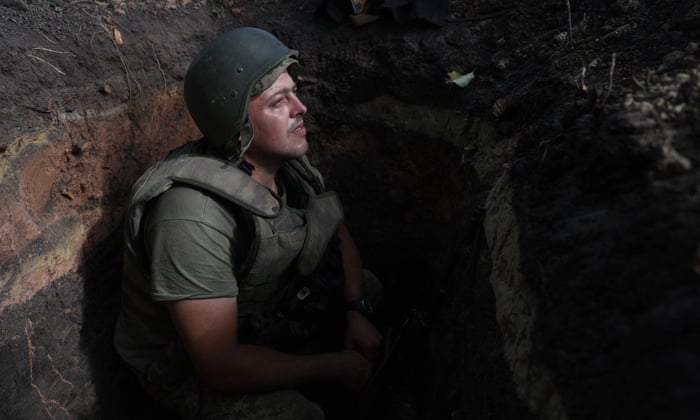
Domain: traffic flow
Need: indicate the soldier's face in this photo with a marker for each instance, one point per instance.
(276, 115)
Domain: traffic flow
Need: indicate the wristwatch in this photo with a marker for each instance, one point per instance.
(361, 305)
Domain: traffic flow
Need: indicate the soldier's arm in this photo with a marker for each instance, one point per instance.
(352, 264)
(208, 328)
(361, 333)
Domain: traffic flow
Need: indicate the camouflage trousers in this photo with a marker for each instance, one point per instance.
(192, 401)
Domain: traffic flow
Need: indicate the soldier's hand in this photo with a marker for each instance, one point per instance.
(363, 336)
(355, 370)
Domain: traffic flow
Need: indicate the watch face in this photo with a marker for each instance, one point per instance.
(365, 306)
(362, 305)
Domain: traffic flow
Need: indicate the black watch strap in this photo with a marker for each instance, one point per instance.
(361, 305)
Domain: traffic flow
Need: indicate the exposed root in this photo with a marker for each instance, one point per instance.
(610, 81)
(117, 41)
(53, 51)
(583, 87)
(46, 62)
(162, 73)
(47, 38)
(571, 27)
(46, 402)
(127, 71)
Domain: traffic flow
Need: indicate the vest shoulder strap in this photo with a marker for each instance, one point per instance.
(301, 169)
(223, 179)
(184, 165)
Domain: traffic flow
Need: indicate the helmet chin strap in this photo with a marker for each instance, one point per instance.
(235, 149)
(245, 139)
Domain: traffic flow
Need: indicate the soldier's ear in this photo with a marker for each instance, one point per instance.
(245, 137)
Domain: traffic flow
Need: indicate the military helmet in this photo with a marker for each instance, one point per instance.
(220, 80)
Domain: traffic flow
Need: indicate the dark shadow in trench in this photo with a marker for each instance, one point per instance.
(118, 394)
(417, 219)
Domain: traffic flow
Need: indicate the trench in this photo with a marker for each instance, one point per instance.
(428, 194)
(415, 183)
(546, 258)
(426, 197)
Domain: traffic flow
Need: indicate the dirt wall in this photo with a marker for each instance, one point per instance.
(83, 116)
(542, 221)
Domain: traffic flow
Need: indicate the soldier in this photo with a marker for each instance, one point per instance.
(230, 308)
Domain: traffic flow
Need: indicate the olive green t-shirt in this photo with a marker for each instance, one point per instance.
(190, 239)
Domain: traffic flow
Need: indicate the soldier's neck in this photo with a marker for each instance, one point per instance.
(266, 176)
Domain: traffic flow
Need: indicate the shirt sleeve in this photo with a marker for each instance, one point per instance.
(191, 258)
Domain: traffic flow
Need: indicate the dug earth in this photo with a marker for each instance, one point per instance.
(523, 177)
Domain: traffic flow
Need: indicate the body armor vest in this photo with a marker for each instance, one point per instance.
(277, 240)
